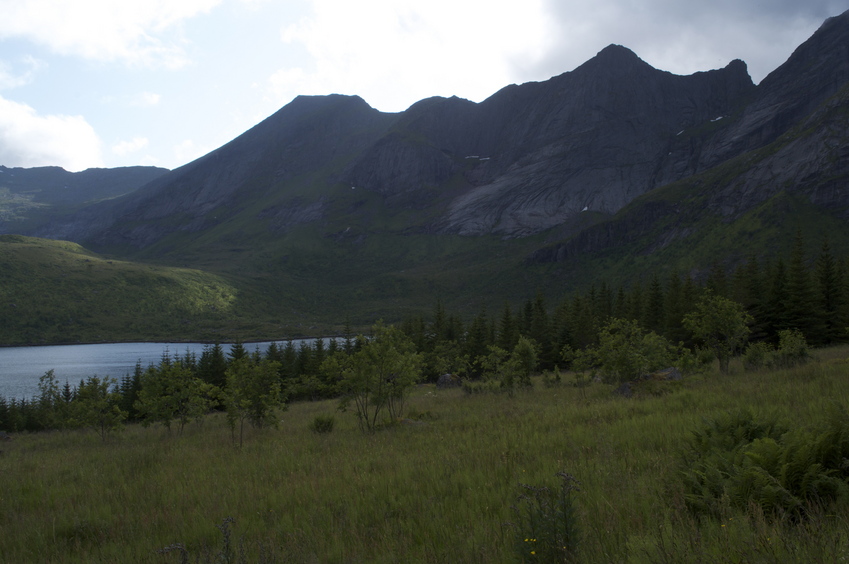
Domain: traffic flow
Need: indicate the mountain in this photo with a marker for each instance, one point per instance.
(30, 197)
(790, 143)
(330, 207)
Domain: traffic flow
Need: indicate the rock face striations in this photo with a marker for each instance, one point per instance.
(529, 158)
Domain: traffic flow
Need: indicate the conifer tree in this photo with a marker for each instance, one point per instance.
(478, 338)
(634, 306)
(675, 309)
(775, 317)
(655, 313)
(508, 330)
(830, 297)
(237, 351)
(348, 336)
(802, 307)
(717, 281)
(212, 365)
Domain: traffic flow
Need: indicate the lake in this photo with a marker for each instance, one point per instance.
(21, 367)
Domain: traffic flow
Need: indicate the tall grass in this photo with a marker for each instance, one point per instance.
(440, 490)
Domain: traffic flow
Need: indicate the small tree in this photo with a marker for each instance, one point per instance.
(172, 393)
(96, 405)
(722, 324)
(626, 352)
(253, 393)
(53, 412)
(377, 376)
(525, 360)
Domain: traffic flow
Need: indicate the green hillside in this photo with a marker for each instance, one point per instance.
(55, 291)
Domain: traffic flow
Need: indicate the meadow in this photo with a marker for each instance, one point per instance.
(439, 486)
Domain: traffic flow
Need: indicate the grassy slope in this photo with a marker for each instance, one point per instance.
(55, 291)
(439, 491)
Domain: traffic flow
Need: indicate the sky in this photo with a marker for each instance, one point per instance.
(109, 83)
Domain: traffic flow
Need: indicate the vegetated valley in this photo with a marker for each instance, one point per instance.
(573, 325)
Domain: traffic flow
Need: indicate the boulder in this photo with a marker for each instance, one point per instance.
(448, 381)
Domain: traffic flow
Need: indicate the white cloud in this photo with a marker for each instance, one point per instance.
(187, 151)
(28, 139)
(684, 37)
(133, 31)
(145, 99)
(10, 77)
(394, 52)
(125, 147)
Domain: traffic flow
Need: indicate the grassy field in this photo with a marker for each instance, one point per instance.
(437, 488)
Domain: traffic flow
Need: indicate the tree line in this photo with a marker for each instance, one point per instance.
(771, 303)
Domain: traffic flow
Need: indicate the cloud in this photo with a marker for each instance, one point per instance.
(145, 32)
(394, 52)
(145, 99)
(28, 139)
(187, 151)
(123, 148)
(12, 77)
(684, 37)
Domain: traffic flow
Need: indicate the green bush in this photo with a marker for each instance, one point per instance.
(792, 348)
(792, 351)
(322, 424)
(758, 356)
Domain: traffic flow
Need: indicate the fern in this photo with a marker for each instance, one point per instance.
(785, 474)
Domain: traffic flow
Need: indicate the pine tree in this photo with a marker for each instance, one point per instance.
(802, 307)
(830, 297)
(717, 281)
(634, 306)
(540, 331)
(478, 338)
(675, 309)
(212, 366)
(655, 313)
(348, 342)
(237, 351)
(508, 330)
(775, 307)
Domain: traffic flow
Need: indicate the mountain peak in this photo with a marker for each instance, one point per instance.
(614, 59)
(616, 52)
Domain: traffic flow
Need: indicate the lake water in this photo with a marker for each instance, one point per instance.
(21, 367)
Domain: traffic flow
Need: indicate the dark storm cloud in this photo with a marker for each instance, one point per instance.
(683, 37)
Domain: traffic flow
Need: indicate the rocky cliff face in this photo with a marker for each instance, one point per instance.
(534, 156)
(793, 137)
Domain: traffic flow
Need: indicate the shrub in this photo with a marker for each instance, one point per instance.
(322, 424)
(547, 523)
(792, 348)
(755, 464)
(758, 355)
(626, 352)
(551, 379)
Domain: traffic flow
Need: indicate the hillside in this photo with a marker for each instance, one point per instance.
(57, 292)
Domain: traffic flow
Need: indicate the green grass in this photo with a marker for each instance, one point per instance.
(439, 490)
